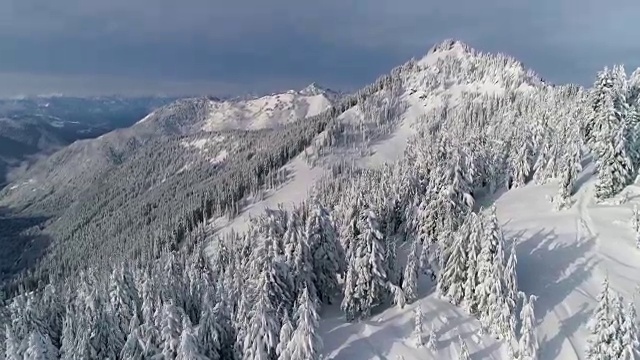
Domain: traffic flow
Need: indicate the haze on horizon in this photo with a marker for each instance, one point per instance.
(93, 47)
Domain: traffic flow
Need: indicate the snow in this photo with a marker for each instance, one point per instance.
(457, 50)
(219, 158)
(563, 259)
(264, 112)
(290, 194)
(563, 256)
(389, 334)
(317, 104)
(145, 118)
(203, 142)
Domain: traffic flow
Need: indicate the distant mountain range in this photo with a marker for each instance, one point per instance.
(33, 127)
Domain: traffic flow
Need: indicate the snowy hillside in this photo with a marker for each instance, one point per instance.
(425, 89)
(252, 114)
(457, 208)
(560, 256)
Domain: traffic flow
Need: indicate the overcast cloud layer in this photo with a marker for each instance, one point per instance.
(236, 46)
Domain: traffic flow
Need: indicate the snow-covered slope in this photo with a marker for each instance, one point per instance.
(430, 82)
(564, 256)
(246, 114)
(265, 112)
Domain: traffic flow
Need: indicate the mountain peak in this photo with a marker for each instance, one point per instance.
(314, 89)
(451, 45)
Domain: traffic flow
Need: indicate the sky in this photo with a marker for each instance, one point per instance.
(231, 47)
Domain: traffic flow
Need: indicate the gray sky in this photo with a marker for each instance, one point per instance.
(235, 46)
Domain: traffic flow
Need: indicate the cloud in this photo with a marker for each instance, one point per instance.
(250, 44)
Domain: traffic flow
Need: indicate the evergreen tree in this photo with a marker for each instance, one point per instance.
(610, 144)
(350, 305)
(600, 91)
(261, 337)
(464, 351)
(305, 343)
(40, 347)
(399, 297)
(602, 325)
(630, 333)
(12, 344)
(635, 224)
(617, 345)
(528, 342)
(188, 348)
(521, 164)
(122, 300)
(473, 252)
(453, 276)
(511, 291)
(171, 329)
(410, 277)
(376, 275)
(133, 348)
(327, 256)
(208, 334)
(286, 333)
(418, 326)
(433, 339)
(490, 293)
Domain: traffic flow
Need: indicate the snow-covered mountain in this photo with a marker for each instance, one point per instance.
(460, 164)
(249, 114)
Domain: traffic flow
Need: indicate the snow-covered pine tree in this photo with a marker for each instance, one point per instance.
(328, 257)
(630, 333)
(610, 145)
(123, 299)
(418, 327)
(600, 90)
(399, 298)
(11, 344)
(528, 342)
(39, 347)
(635, 224)
(171, 329)
(305, 343)
(302, 268)
(432, 343)
(371, 276)
(453, 276)
(602, 325)
(464, 350)
(617, 344)
(133, 348)
(570, 165)
(101, 337)
(410, 277)
(208, 333)
(68, 337)
(511, 290)
(473, 252)
(350, 304)
(292, 236)
(262, 332)
(521, 164)
(188, 348)
(286, 333)
(490, 292)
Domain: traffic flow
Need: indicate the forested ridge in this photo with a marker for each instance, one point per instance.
(131, 279)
